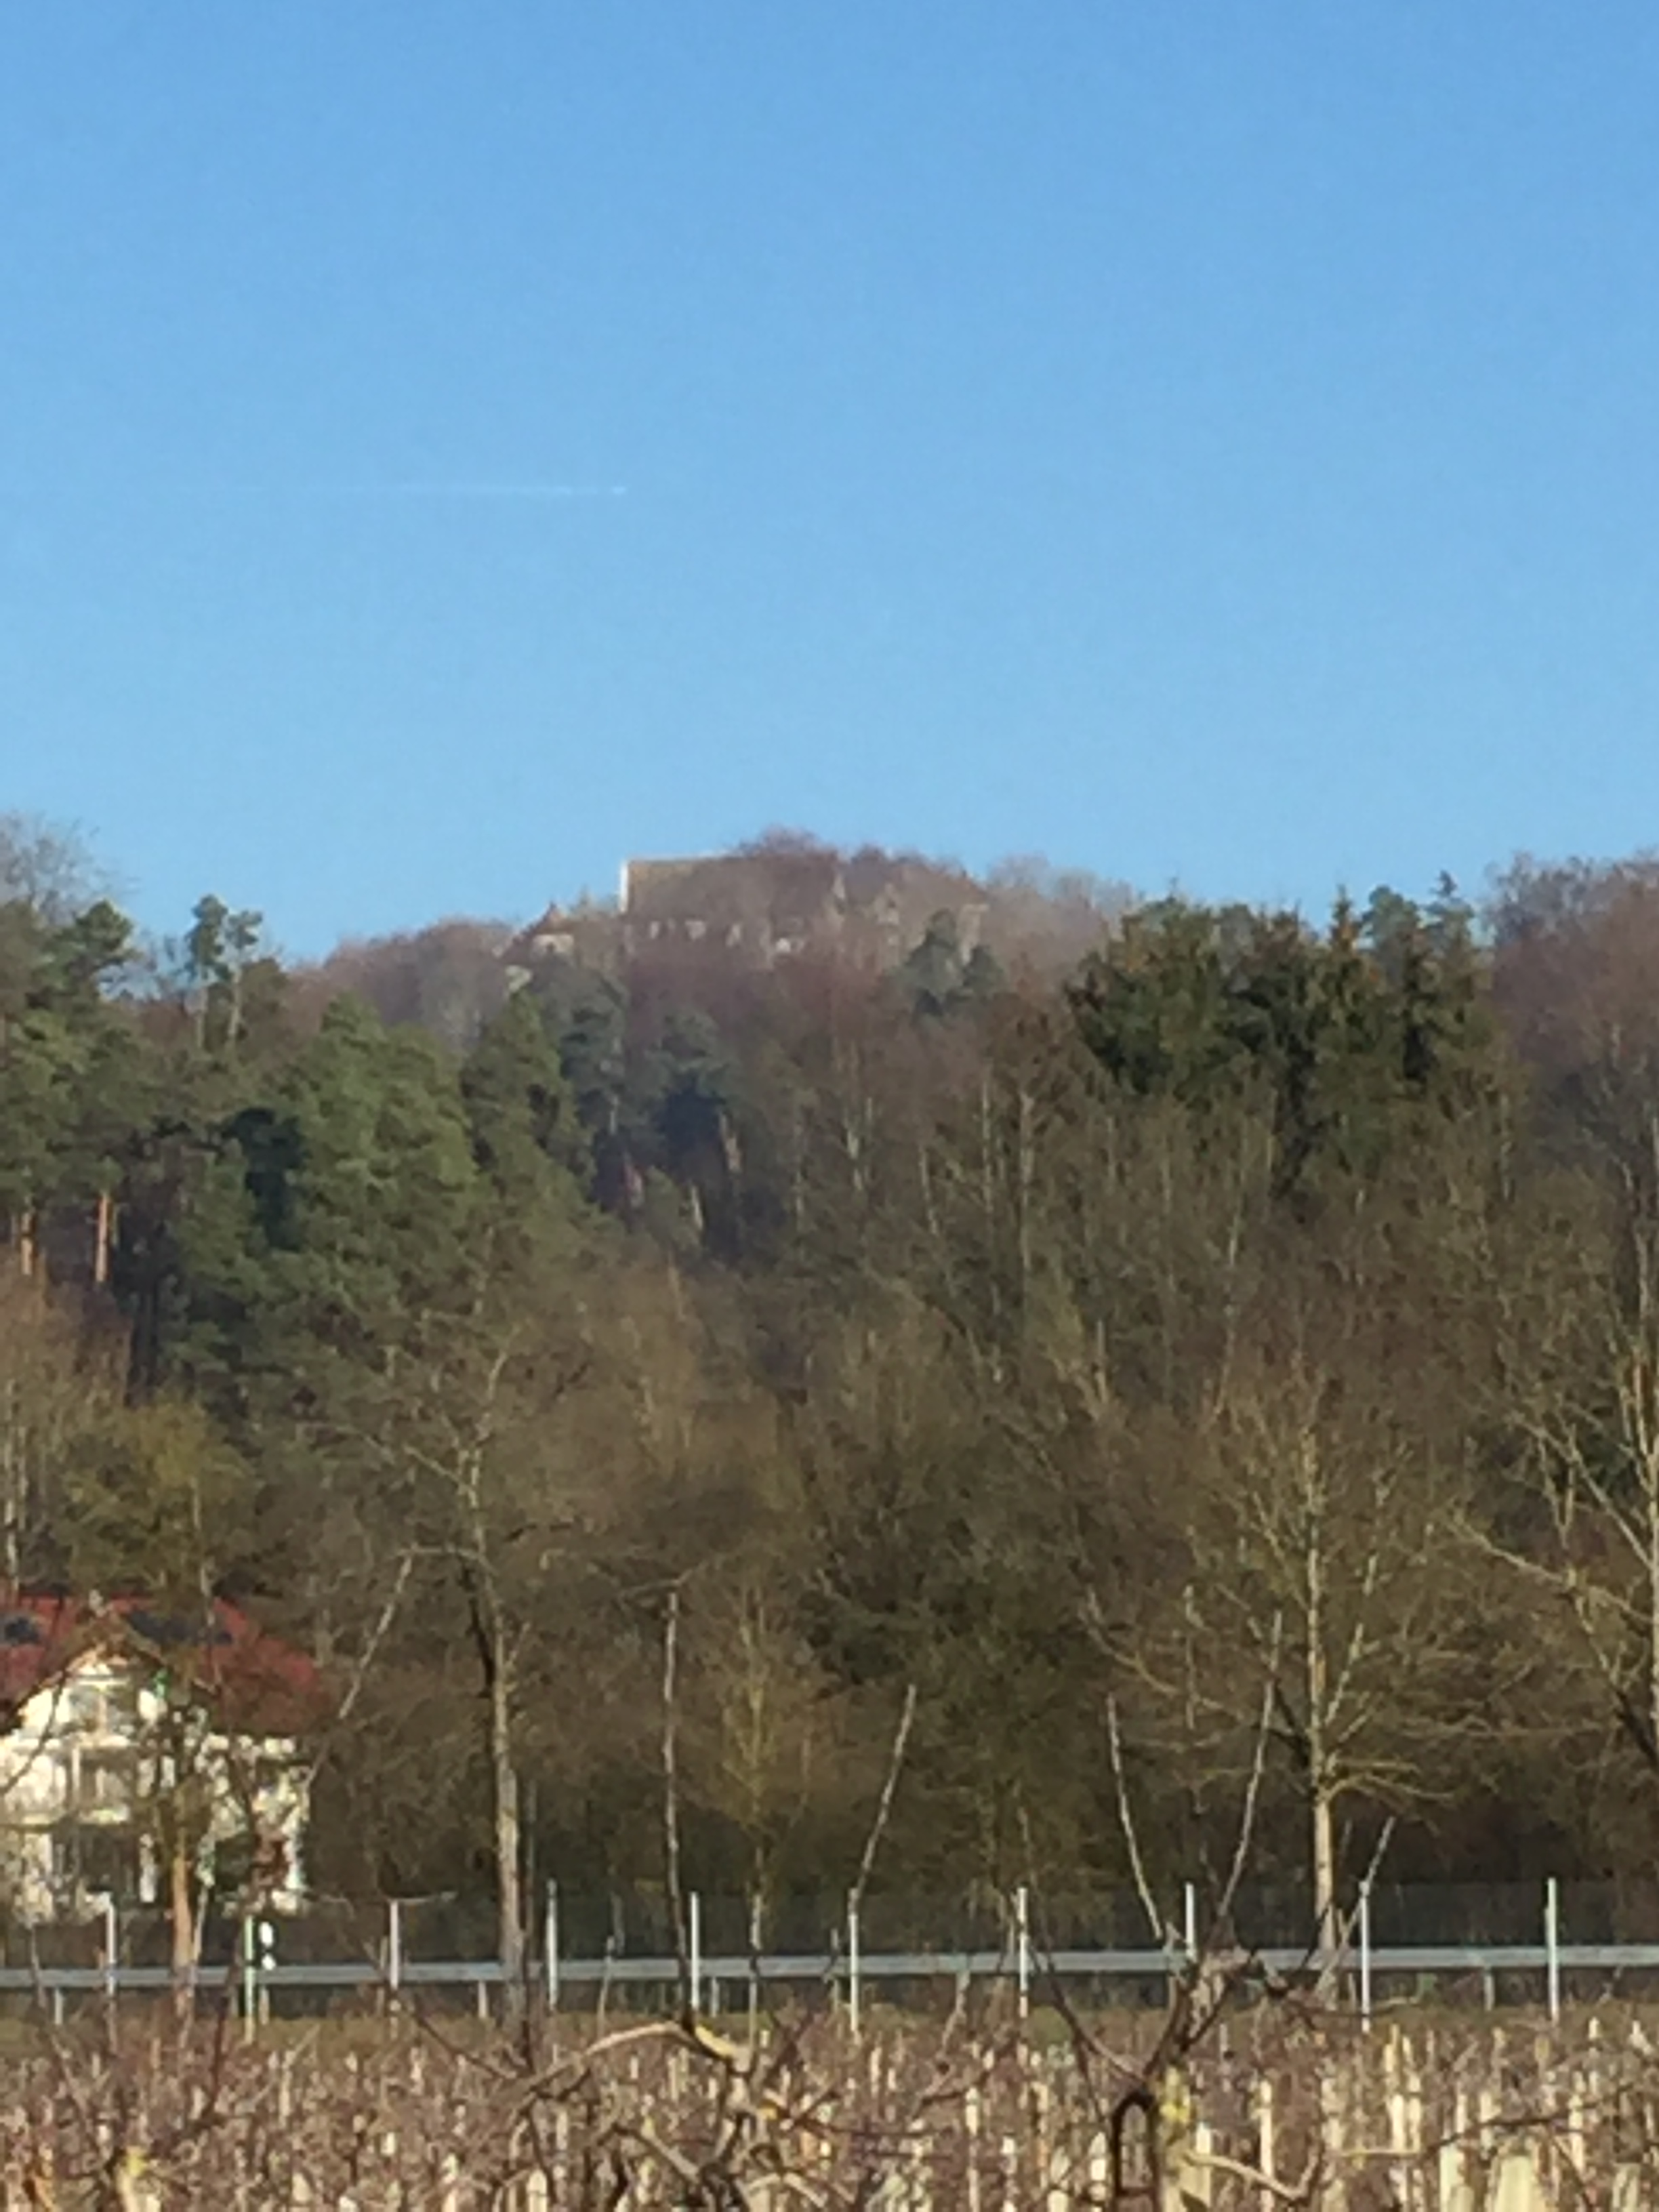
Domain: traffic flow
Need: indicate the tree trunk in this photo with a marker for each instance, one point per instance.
(182, 1919)
(1316, 1689)
(1324, 1879)
(508, 1842)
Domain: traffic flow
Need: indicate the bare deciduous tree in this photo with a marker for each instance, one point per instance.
(1323, 1562)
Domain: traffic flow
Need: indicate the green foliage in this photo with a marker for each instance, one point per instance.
(526, 1134)
(157, 1503)
(219, 957)
(1339, 1039)
(67, 1073)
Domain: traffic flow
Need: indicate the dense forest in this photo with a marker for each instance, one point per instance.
(1252, 1327)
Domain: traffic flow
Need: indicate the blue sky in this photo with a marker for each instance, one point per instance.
(1204, 443)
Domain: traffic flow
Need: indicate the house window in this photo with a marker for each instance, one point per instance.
(106, 1782)
(235, 1866)
(93, 1706)
(93, 1858)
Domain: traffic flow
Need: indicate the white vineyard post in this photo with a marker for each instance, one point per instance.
(394, 1945)
(1553, 1947)
(1267, 2157)
(694, 1917)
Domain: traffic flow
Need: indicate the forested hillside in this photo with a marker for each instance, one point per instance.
(1261, 1317)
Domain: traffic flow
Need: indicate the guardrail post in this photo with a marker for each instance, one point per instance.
(1023, 1950)
(1553, 1947)
(394, 1945)
(550, 1945)
(112, 1950)
(250, 1972)
(755, 1933)
(854, 1965)
(1189, 1920)
(1366, 1953)
(693, 1915)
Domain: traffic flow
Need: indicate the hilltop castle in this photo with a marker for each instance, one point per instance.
(767, 903)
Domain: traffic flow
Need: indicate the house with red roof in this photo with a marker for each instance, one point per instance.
(151, 1755)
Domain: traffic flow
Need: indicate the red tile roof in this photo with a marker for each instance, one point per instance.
(255, 1682)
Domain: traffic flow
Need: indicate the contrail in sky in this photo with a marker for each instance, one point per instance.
(531, 489)
(480, 490)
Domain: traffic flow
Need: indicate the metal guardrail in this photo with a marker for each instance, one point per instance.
(800, 1968)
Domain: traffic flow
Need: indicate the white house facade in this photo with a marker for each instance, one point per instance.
(127, 1768)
